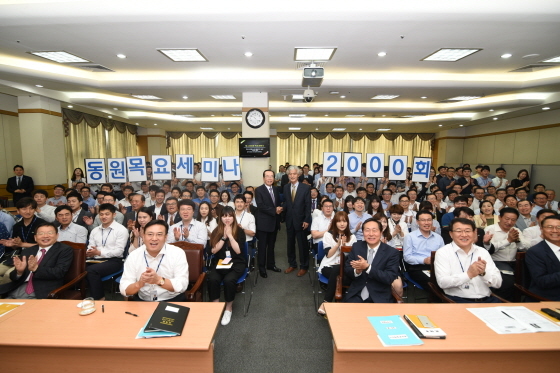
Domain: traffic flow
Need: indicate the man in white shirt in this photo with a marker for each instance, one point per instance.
(465, 271)
(551, 203)
(500, 180)
(187, 229)
(533, 235)
(68, 231)
(58, 198)
(107, 244)
(94, 223)
(244, 218)
(350, 191)
(43, 210)
(320, 225)
(507, 240)
(156, 271)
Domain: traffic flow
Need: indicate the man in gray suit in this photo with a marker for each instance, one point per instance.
(525, 220)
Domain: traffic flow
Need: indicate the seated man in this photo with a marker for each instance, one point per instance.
(58, 198)
(201, 195)
(356, 218)
(68, 231)
(372, 266)
(540, 200)
(106, 245)
(43, 210)
(543, 261)
(136, 202)
(483, 238)
(465, 271)
(533, 235)
(94, 223)
(87, 198)
(320, 225)
(187, 229)
(158, 207)
(418, 247)
(171, 215)
(460, 201)
(41, 268)
(156, 271)
(74, 200)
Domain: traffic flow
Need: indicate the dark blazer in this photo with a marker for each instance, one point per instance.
(50, 273)
(284, 180)
(26, 183)
(129, 216)
(80, 218)
(384, 270)
(176, 220)
(163, 210)
(309, 178)
(266, 218)
(544, 268)
(298, 211)
(253, 210)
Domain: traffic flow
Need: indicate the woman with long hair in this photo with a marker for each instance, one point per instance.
(143, 217)
(348, 204)
(523, 181)
(386, 237)
(487, 216)
(374, 206)
(225, 199)
(226, 243)
(77, 176)
(204, 216)
(337, 236)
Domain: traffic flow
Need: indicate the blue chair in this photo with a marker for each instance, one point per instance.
(415, 285)
(113, 276)
(319, 255)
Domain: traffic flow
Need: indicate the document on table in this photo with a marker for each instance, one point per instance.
(513, 320)
(392, 331)
(8, 307)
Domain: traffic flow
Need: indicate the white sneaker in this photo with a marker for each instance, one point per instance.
(226, 318)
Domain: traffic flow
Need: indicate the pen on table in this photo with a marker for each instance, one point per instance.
(507, 315)
(130, 313)
(103, 308)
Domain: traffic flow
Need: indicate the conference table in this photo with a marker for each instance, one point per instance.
(470, 346)
(51, 336)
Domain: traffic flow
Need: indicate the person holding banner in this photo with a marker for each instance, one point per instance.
(298, 217)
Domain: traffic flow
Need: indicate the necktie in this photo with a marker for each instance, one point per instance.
(18, 180)
(29, 288)
(271, 194)
(293, 192)
(171, 220)
(365, 292)
(313, 204)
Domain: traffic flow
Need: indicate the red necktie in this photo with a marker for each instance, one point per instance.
(29, 288)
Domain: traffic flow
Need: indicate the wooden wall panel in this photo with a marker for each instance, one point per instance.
(547, 150)
(503, 148)
(525, 146)
(485, 154)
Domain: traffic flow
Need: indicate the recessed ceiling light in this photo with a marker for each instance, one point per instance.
(313, 54)
(339, 129)
(334, 92)
(546, 108)
(463, 98)
(70, 106)
(460, 125)
(532, 55)
(224, 97)
(236, 115)
(491, 110)
(184, 55)
(248, 54)
(185, 97)
(115, 108)
(38, 86)
(342, 96)
(383, 115)
(137, 124)
(553, 59)
(495, 118)
(450, 54)
(228, 128)
(60, 57)
(297, 97)
(317, 129)
(383, 129)
(109, 116)
(294, 128)
(410, 116)
(297, 115)
(186, 115)
(120, 55)
(355, 115)
(423, 97)
(147, 97)
(207, 128)
(326, 115)
(155, 124)
(360, 129)
(381, 54)
(506, 55)
(440, 125)
(384, 97)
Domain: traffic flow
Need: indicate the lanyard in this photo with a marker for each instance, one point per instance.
(75, 216)
(23, 235)
(147, 265)
(462, 269)
(241, 219)
(182, 236)
(106, 238)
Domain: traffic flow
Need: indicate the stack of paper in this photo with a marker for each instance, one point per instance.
(392, 331)
(514, 320)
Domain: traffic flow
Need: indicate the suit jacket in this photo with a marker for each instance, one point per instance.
(298, 211)
(50, 273)
(163, 210)
(384, 270)
(544, 268)
(129, 216)
(26, 183)
(176, 220)
(521, 222)
(266, 218)
(80, 218)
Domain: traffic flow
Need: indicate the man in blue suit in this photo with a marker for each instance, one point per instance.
(372, 266)
(543, 261)
(297, 206)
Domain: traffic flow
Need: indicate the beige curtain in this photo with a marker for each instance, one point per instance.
(328, 144)
(121, 145)
(204, 147)
(292, 150)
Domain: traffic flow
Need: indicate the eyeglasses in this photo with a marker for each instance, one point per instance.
(466, 231)
(425, 220)
(46, 234)
(551, 227)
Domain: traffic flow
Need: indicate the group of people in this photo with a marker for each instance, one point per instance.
(476, 223)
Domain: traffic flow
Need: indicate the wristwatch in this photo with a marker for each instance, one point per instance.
(482, 274)
(162, 282)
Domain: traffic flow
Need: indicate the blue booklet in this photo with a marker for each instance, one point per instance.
(392, 331)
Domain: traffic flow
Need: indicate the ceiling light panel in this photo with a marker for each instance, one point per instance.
(383, 129)
(314, 54)
(354, 115)
(294, 128)
(297, 115)
(184, 55)
(339, 129)
(223, 97)
(451, 54)
(147, 97)
(463, 98)
(553, 59)
(60, 57)
(236, 115)
(384, 97)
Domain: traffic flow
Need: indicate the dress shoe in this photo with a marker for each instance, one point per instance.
(274, 269)
(290, 270)
(263, 274)
(301, 272)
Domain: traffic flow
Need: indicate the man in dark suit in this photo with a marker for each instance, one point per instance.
(159, 207)
(41, 268)
(268, 222)
(171, 215)
(372, 266)
(20, 185)
(249, 203)
(74, 200)
(136, 202)
(543, 261)
(297, 206)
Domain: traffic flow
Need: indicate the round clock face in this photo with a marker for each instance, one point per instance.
(255, 118)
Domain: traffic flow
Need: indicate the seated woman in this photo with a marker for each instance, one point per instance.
(338, 235)
(388, 239)
(374, 206)
(226, 242)
(225, 199)
(137, 233)
(487, 217)
(206, 218)
(348, 204)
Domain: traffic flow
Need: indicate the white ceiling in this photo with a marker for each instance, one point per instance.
(407, 30)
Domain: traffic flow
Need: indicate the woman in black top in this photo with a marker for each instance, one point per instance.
(522, 181)
(227, 240)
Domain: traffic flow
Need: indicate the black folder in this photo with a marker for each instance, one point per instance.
(168, 317)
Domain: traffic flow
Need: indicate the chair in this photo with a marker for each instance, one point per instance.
(113, 276)
(75, 280)
(318, 256)
(195, 259)
(523, 280)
